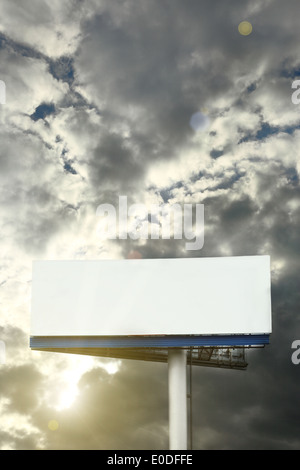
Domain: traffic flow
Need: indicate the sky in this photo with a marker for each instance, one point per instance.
(163, 102)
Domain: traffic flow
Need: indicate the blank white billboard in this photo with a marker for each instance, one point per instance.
(182, 296)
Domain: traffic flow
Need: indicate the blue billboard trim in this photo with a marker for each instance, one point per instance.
(167, 341)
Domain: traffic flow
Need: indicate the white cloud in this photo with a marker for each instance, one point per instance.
(51, 27)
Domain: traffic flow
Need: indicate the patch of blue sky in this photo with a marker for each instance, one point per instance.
(42, 111)
(267, 130)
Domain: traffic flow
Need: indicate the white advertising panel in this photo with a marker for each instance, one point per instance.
(183, 296)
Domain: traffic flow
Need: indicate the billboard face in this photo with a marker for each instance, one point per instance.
(183, 296)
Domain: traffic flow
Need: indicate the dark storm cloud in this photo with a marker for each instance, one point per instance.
(140, 61)
(114, 161)
(237, 213)
(167, 61)
(144, 52)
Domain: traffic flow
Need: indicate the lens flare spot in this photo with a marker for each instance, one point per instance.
(199, 121)
(53, 425)
(245, 28)
(134, 254)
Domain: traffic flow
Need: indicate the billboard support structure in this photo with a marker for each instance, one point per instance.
(190, 396)
(177, 399)
(226, 304)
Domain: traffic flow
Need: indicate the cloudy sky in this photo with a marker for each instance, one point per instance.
(100, 97)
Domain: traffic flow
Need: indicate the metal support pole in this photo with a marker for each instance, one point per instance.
(177, 399)
(191, 400)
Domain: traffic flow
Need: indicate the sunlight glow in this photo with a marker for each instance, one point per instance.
(69, 378)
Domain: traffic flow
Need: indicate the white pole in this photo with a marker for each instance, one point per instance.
(177, 399)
